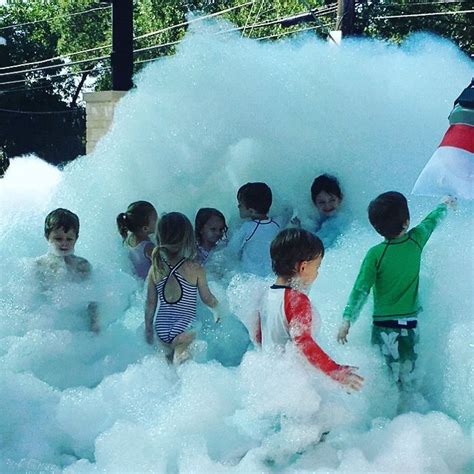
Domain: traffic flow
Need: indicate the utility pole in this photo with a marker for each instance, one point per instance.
(345, 16)
(122, 45)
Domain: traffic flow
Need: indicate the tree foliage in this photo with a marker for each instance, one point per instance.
(33, 107)
(80, 33)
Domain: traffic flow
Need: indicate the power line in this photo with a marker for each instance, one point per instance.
(153, 33)
(184, 23)
(249, 15)
(32, 112)
(53, 18)
(318, 13)
(100, 58)
(284, 33)
(146, 60)
(256, 18)
(415, 3)
(413, 15)
(55, 66)
(64, 56)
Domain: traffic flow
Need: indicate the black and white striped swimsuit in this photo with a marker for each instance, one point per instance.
(172, 319)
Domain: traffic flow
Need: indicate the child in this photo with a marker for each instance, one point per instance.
(173, 284)
(135, 226)
(210, 228)
(327, 197)
(252, 241)
(61, 229)
(392, 268)
(287, 313)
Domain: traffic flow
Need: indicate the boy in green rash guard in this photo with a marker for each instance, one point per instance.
(392, 269)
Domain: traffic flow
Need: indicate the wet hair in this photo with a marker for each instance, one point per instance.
(388, 213)
(292, 246)
(61, 219)
(136, 216)
(174, 238)
(256, 196)
(203, 216)
(328, 183)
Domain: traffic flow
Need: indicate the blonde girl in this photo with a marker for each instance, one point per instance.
(173, 284)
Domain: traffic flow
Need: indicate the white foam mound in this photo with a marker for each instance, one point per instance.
(223, 111)
(28, 182)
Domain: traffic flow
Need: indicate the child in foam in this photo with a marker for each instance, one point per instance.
(210, 228)
(327, 196)
(392, 268)
(251, 243)
(331, 222)
(287, 314)
(61, 229)
(174, 281)
(135, 226)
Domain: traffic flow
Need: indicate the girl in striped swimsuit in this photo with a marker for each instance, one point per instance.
(175, 279)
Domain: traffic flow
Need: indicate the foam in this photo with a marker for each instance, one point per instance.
(223, 111)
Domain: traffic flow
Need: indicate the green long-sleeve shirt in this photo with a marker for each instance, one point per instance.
(392, 269)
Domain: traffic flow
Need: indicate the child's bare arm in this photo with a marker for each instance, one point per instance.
(206, 295)
(150, 308)
(204, 292)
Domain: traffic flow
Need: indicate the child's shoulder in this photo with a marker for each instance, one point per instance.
(79, 264)
(192, 266)
(375, 251)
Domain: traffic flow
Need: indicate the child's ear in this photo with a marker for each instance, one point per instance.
(301, 267)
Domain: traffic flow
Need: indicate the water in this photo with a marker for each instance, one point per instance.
(221, 112)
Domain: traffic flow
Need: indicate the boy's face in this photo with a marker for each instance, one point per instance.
(307, 271)
(62, 243)
(327, 204)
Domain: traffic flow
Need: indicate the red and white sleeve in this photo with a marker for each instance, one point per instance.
(299, 315)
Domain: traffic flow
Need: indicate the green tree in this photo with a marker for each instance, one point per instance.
(33, 106)
(79, 33)
(434, 16)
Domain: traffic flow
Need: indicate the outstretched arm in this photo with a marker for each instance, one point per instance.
(422, 232)
(299, 314)
(150, 308)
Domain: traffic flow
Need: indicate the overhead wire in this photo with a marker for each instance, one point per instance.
(64, 56)
(415, 3)
(414, 15)
(248, 16)
(146, 35)
(193, 20)
(149, 48)
(100, 58)
(315, 13)
(54, 17)
(46, 112)
(55, 66)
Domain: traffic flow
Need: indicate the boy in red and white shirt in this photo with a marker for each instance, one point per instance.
(286, 313)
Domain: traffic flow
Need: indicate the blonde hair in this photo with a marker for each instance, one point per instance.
(175, 239)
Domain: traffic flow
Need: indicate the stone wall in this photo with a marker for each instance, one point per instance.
(100, 108)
